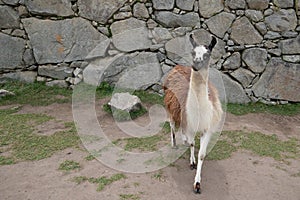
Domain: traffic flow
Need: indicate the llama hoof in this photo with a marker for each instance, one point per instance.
(193, 166)
(197, 189)
(175, 147)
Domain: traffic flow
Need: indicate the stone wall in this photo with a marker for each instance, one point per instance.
(135, 43)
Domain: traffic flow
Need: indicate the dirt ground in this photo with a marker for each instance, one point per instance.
(243, 176)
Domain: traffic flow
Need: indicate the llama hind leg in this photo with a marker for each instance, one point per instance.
(173, 137)
(202, 153)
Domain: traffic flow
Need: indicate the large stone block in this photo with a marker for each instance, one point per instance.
(209, 8)
(53, 71)
(170, 19)
(256, 59)
(11, 52)
(235, 4)
(161, 34)
(229, 90)
(140, 11)
(50, 7)
(282, 20)
(233, 61)
(64, 40)
(163, 4)
(244, 76)
(243, 32)
(9, 18)
(99, 10)
(11, 2)
(24, 76)
(185, 4)
(258, 4)
(279, 81)
(134, 71)
(284, 3)
(130, 35)
(179, 51)
(220, 23)
(290, 46)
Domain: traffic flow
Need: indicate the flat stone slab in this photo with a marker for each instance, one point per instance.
(9, 18)
(99, 10)
(172, 20)
(209, 8)
(282, 20)
(220, 23)
(23, 76)
(11, 52)
(163, 4)
(130, 35)
(63, 40)
(290, 46)
(131, 71)
(256, 59)
(243, 32)
(279, 81)
(50, 7)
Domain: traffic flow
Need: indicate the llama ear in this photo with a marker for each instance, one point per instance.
(212, 43)
(193, 42)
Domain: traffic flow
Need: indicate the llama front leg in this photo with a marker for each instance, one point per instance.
(192, 157)
(202, 153)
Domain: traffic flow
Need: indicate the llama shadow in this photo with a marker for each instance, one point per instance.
(214, 184)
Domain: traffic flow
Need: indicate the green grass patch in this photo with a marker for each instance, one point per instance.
(104, 90)
(255, 142)
(242, 109)
(35, 94)
(129, 197)
(159, 176)
(6, 160)
(147, 97)
(17, 136)
(102, 182)
(89, 157)
(144, 144)
(270, 146)
(222, 150)
(121, 115)
(165, 127)
(69, 165)
(258, 143)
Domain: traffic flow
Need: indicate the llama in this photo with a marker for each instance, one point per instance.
(193, 104)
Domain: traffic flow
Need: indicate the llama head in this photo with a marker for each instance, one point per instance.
(201, 53)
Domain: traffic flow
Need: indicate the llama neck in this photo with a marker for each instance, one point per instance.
(199, 83)
(198, 106)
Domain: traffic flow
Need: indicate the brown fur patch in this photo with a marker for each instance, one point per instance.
(176, 88)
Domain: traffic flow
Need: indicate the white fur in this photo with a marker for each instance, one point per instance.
(199, 52)
(172, 126)
(198, 110)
